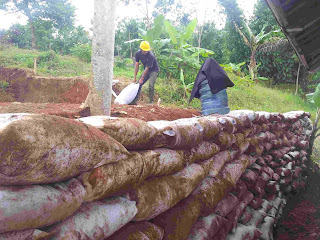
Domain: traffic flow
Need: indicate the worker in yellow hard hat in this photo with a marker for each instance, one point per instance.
(151, 70)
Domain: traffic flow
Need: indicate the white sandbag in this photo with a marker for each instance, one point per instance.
(127, 94)
(267, 228)
(206, 227)
(95, 220)
(245, 233)
(38, 205)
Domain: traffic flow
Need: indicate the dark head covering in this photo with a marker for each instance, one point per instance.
(216, 76)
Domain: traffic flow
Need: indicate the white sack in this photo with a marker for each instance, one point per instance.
(127, 94)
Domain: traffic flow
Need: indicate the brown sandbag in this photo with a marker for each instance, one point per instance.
(177, 222)
(47, 149)
(206, 227)
(28, 234)
(95, 220)
(138, 231)
(38, 205)
(179, 134)
(210, 192)
(117, 178)
(219, 160)
(157, 195)
(203, 151)
(210, 128)
(114, 178)
(132, 133)
(232, 171)
(224, 140)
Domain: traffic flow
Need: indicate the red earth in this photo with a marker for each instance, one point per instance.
(143, 112)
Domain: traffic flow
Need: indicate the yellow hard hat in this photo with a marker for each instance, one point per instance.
(145, 46)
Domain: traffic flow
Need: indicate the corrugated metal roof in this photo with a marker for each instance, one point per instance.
(300, 22)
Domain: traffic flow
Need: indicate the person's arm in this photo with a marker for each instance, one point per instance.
(136, 70)
(144, 74)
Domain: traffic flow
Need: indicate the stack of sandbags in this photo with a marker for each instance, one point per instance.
(39, 195)
(212, 177)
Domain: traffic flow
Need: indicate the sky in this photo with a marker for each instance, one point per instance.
(84, 12)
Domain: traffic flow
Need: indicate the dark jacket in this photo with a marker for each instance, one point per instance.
(216, 76)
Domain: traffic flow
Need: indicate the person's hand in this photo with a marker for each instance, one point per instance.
(141, 81)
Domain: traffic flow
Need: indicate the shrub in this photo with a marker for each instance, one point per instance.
(82, 51)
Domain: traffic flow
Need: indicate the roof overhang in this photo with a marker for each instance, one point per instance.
(300, 22)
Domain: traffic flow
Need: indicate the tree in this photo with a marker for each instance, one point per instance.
(237, 48)
(254, 42)
(99, 98)
(59, 12)
(262, 17)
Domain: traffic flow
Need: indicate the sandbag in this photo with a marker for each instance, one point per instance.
(203, 151)
(224, 140)
(95, 220)
(38, 205)
(177, 222)
(258, 216)
(219, 160)
(231, 172)
(256, 203)
(225, 206)
(32, 234)
(46, 149)
(240, 189)
(206, 227)
(267, 228)
(157, 195)
(210, 192)
(179, 134)
(245, 217)
(138, 231)
(113, 179)
(245, 233)
(210, 128)
(127, 94)
(132, 133)
(163, 161)
(235, 214)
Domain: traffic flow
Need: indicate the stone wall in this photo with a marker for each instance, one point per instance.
(215, 177)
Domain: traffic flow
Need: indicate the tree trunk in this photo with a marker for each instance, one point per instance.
(99, 98)
(297, 82)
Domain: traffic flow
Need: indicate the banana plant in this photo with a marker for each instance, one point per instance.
(254, 43)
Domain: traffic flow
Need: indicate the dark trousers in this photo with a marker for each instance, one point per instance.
(152, 80)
